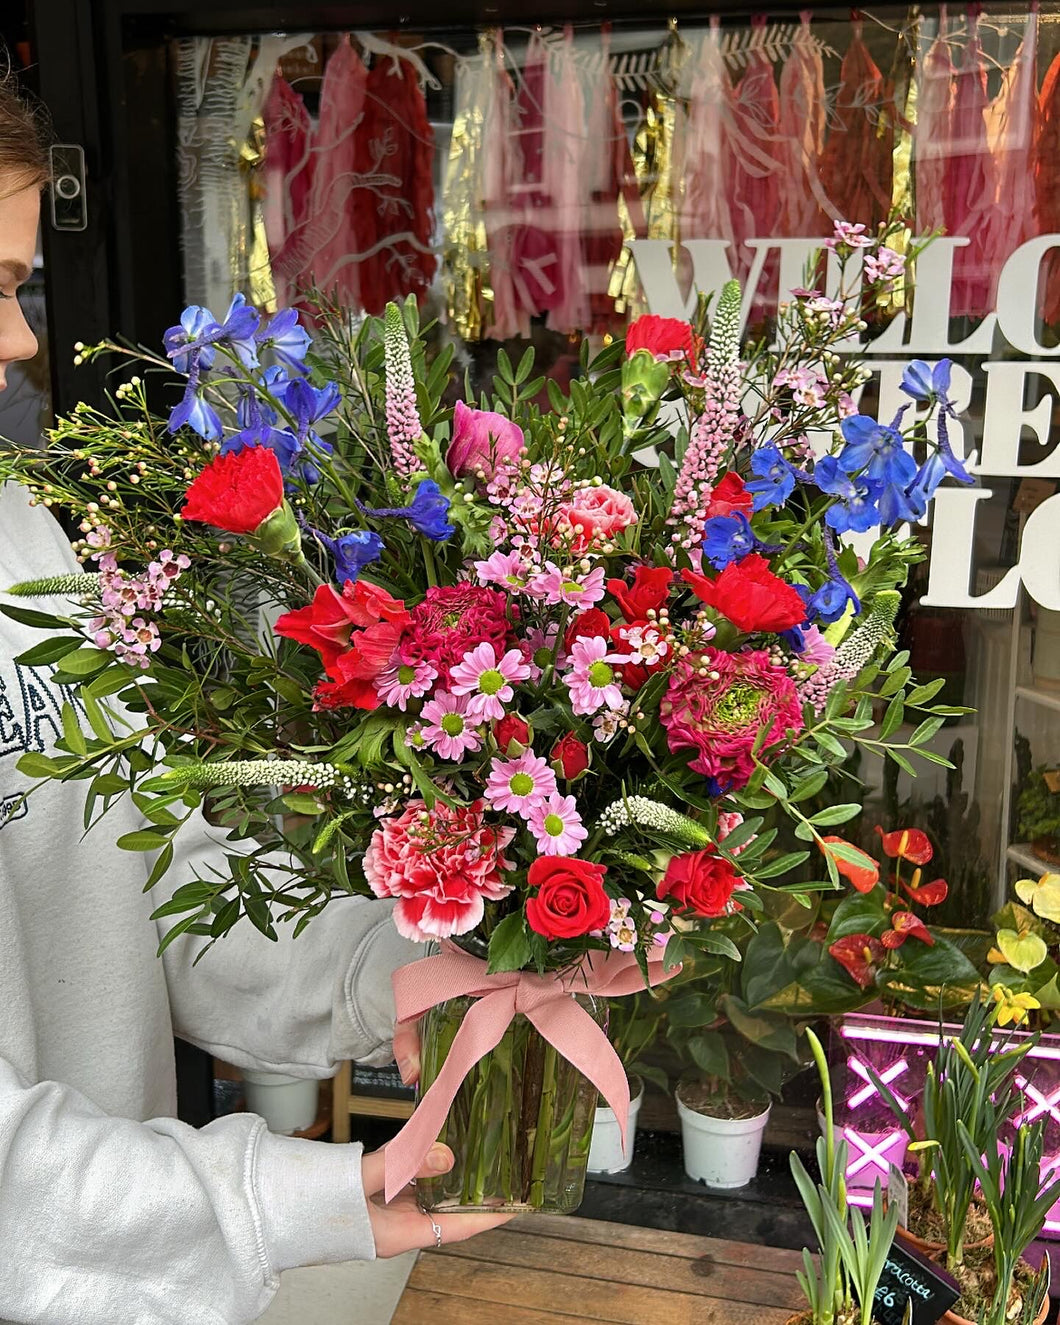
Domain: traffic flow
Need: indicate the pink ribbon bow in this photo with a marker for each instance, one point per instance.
(548, 1003)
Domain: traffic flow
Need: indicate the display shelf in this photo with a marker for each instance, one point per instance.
(1022, 854)
(1049, 699)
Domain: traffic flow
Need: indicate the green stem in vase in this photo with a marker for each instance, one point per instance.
(543, 1134)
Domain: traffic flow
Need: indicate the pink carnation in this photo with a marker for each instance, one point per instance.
(450, 622)
(716, 704)
(597, 514)
(442, 865)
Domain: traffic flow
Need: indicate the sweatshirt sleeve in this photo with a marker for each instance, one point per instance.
(298, 1006)
(157, 1223)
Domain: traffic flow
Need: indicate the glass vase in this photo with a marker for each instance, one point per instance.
(521, 1123)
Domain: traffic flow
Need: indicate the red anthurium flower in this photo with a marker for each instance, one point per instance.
(863, 873)
(729, 494)
(907, 844)
(750, 595)
(237, 492)
(649, 590)
(926, 894)
(903, 925)
(592, 623)
(859, 955)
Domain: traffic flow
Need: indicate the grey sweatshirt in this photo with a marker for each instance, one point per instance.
(111, 1211)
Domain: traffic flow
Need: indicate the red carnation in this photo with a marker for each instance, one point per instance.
(237, 492)
(570, 900)
(649, 590)
(571, 755)
(665, 338)
(730, 494)
(592, 623)
(750, 595)
(701, 882)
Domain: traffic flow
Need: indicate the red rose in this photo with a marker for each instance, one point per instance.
(588, 624)
(701, 882)
(729, 494)
(750, 595)
(571, 755)
(237, 492)
(649, 590)
(663, 338)
(570, 900)
(510, 728)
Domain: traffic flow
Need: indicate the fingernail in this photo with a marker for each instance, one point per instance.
(438, 1159)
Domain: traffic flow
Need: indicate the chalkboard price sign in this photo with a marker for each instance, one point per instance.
(910, 1277)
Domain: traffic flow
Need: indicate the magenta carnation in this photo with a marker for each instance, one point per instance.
(441, 864)
(450, 622)
(716, 704)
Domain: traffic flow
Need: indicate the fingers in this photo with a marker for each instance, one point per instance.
(458, 1228)
(407, 1052)
(407, 1228)
(439, 1159)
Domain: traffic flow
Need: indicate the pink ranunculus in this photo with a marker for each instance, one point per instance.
(719, 714)
(597, 513)
(441, 864)
(481, 440)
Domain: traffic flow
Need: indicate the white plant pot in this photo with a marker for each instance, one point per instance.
(606, 1152)
(288, 1104)
(722, 1152)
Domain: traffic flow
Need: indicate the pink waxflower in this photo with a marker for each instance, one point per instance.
(853, 236)
(487, 680)
(481, 440)
(596, 514)
(404, 681)
(716, 705)
(504, 568)
(556, 586)
(442, 865)
(884, 265)
(557, 826)
(448, 728)
(591, 680)
(520, 784)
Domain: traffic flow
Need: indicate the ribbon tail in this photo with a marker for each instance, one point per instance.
(481, 1030)
(567, 1026)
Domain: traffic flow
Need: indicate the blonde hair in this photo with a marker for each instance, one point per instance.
(23, 140)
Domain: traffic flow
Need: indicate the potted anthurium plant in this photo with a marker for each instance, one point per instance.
(1023, 962)
(499, 671)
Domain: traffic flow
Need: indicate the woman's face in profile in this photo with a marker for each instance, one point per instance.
(19, 215)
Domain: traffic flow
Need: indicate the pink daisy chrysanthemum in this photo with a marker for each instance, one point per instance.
(520, 784)
(404, 681)
(554, 586)
(591, 680)
(557, 826)
(504, 568)
(487, 680)
(449, 730)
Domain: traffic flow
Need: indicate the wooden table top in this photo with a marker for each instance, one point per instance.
(553, 1268)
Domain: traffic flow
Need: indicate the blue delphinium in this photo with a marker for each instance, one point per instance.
(931, 386)
(427, 512)
(727, 538)
(877, 450)
(856, 508)
(776, 478)
(351, 552)
(196, 413)
(287, 338)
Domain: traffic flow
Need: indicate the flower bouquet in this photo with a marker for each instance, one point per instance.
(550, 670)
